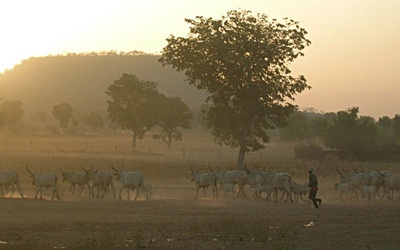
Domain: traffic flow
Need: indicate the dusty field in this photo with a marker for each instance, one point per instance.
(173, 219)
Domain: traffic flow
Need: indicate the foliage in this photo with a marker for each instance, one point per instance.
(134, 104)
(94, 120)
(174, 114)
(298, 128)
(352, 133)
(11, 113)
(63, 113)
(242, 61)
(305, 125)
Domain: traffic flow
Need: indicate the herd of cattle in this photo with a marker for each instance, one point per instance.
(102, 181)
(267, 184)
(224, 183)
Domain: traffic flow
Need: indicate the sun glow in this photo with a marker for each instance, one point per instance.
(40, 28)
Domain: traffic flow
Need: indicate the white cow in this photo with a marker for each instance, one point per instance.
(81, 179)
(204, 181)
(278, 181)
(130, 180)
(10, 179)
(102, 180)
(44, 181)
(391, 184)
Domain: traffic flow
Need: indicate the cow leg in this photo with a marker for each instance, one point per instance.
(137, 193)
(80, 192)
(113, 189)
(105, 191)
(213, 191)
(12, 190)
(120, 191)
(20, 191)
(37, 193)
(197, 192)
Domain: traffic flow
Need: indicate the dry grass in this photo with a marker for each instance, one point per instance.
(172, 219)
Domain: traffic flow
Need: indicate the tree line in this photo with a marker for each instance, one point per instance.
(134, 104)
(346, 131)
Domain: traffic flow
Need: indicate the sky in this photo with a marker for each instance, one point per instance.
(353, 61)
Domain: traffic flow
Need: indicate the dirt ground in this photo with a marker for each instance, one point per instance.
(173, 219)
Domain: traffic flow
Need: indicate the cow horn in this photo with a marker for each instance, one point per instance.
(339, 172)
(379, 172)
(209, 167)
(191, 168)
(62, 171)
(122, 165)
(114, 168)
(86, 171)
(28, 170)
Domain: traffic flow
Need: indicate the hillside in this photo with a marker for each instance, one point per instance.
(81, 80)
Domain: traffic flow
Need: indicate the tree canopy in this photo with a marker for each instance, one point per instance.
(63, 113)
(174, 114)
(11, 114)
(242, 60)
(133, 104)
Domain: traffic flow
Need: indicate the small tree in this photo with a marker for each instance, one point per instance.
(133, 104)
(174, 114)
(12, 113)
(63, 114)
(94, 120)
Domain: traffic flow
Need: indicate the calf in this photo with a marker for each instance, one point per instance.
(368, 192)
(299, 190)
(344, 189)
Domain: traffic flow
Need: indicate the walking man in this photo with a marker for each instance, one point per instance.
(313, 184)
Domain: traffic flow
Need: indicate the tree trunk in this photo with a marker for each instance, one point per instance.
(243, 144)
(134, 137)
(240, 159)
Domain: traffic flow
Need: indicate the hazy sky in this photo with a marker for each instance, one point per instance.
(354, 59)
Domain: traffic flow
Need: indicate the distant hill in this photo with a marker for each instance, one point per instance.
(81, 80)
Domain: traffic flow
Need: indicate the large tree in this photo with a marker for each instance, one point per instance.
(242, 61)
(174, 115)
(134, 104)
